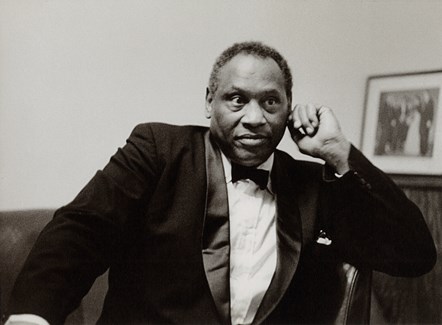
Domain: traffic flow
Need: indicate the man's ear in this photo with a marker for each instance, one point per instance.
(209, 99)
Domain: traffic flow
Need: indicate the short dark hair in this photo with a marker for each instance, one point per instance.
(254, 48)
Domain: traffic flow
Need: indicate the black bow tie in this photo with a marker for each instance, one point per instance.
(259, 176)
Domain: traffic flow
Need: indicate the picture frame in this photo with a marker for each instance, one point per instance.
(402, 124)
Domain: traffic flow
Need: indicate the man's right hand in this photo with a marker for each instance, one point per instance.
(317, 133)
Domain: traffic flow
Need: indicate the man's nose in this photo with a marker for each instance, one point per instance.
(253, 114)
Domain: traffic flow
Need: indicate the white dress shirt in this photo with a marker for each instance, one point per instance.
(252, 243)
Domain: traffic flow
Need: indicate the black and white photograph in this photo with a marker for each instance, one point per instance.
(402, 122)
(220, 162)
(406, 123)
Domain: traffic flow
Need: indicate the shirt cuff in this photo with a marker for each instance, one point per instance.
(28, 319)
(338, 175)
(330, 175)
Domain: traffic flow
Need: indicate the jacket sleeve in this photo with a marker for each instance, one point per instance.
(79, 243)
(374, 225)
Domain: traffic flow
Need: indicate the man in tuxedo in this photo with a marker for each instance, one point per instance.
(193, 229)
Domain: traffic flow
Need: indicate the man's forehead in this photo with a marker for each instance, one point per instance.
(245, 67)
(246, 62)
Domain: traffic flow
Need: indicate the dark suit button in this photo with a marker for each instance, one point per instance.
(362, 181)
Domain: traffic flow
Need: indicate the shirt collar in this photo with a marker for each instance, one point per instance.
(266, 165)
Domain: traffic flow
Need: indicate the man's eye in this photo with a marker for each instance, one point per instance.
(272, 101)
(238, 100)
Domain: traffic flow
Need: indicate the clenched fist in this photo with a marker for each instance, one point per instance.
(317, 133)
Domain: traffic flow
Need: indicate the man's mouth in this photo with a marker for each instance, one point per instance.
(251, 139)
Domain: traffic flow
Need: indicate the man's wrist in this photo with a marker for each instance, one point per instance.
(342, 168)
(336, 153)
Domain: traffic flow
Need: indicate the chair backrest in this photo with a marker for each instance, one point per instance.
(356, 302)
(19, 231)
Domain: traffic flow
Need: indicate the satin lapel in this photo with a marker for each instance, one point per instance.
(215, 248)
(289, 239)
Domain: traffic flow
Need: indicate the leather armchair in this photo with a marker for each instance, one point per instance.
(19, 231)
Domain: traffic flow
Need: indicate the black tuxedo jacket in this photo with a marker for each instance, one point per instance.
(152, 212)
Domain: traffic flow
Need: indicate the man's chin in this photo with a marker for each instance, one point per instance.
(249, 160)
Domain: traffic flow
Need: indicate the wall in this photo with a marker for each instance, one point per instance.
(76, 76)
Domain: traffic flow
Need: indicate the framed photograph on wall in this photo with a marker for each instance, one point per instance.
(402, 125)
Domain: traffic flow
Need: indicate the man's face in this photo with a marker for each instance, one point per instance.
(249, 109)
